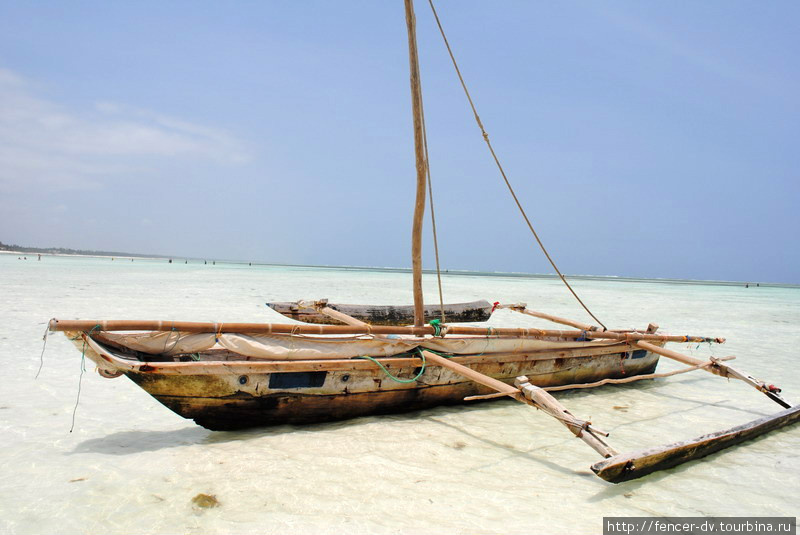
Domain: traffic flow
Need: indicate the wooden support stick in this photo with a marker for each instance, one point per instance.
(594, 332)
(718, 368)
(493, 395)
(341, 316)
(636, 377)
(555, 319)
(473, 375)
(322, 307)
(541, 400)
(580, 428)
(612, 381)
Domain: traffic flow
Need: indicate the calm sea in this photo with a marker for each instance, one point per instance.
(132, 466)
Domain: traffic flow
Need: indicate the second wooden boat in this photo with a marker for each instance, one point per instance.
(384, 314)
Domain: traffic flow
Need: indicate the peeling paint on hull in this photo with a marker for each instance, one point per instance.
(229, 401)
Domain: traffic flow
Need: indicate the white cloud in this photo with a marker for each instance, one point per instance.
(46, 144)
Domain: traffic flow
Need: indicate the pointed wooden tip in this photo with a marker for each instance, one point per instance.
(627, 466)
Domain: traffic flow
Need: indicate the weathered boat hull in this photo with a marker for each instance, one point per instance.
(475, 311)
(320, 392)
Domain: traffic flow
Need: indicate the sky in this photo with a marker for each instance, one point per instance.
(645, 139)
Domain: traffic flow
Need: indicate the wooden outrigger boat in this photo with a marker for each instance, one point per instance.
(385, 314)
(232, 376)
(343, 361)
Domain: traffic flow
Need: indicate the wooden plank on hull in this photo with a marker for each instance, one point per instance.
(627, 466)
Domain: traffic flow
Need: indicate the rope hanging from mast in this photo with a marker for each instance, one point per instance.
(500, 167)
(433, 213)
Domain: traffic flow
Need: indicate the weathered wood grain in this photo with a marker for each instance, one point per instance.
(421, 161)
(633, 465)
(385, 314)
(243, 397)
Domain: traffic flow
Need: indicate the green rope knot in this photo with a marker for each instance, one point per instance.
(437, 327)
(393, 377)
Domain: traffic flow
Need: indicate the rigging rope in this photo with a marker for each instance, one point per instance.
(433, 214)
(80, 377)
(500, 167)
(44, 346)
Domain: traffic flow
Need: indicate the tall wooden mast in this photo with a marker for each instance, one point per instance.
(422, 164)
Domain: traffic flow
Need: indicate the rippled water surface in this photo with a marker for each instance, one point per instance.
(132, 466)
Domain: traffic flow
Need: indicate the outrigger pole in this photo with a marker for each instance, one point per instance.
(618, 467)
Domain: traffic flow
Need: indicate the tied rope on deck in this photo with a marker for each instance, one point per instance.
(178, 339)
(393, 377)
(438, 328)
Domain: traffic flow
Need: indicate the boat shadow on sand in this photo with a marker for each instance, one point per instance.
(133, 442)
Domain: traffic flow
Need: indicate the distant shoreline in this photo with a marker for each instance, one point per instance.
(126, 256)
(16, 249)
(450, 272)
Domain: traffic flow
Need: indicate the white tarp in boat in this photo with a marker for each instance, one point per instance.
(297, 347)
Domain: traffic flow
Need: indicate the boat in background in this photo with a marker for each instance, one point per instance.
(385, 314)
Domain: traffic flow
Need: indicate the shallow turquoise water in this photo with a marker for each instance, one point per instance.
(131, 465)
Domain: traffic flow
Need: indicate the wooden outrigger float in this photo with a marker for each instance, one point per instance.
(237, 375)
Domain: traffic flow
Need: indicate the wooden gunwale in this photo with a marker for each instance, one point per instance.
(265, 366)
(280, 328)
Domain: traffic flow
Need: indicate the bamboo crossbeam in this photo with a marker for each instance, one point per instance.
(339, 316)
(549, 317)
(631, 379)
(718, 368)
(543, 401)
(674, 355)
(634, 378)
(594, 332)
(311, 329)
(473, 375)
(322, 308)
(550, 405)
